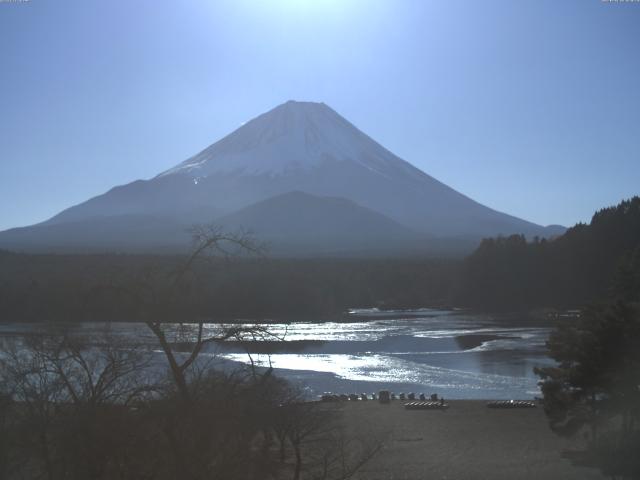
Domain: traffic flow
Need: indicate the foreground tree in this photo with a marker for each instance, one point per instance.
(70, 407)
(166, 298)
(209, 423)
(91, 408)
(595, 387)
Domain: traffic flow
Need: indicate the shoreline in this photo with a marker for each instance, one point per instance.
(548, 316)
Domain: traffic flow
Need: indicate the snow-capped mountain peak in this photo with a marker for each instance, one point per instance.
(300, 147)
(291, 137)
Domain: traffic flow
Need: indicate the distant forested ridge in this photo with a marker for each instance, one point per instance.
(98, 287)
(587, 263)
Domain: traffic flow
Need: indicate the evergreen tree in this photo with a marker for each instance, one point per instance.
(595, 386)
(571, 270)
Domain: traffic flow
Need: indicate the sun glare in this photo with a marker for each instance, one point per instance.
(305, 9)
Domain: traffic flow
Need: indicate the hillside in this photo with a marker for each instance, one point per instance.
(589, 262)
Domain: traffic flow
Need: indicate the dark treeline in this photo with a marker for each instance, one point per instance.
(586, 264)
(98, 287)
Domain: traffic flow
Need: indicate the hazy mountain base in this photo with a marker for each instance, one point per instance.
(291, 225)
(579, 267)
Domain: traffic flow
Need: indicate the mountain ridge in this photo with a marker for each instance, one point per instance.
(301, 147)
(323, 225)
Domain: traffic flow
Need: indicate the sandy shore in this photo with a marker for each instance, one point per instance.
(468, 441)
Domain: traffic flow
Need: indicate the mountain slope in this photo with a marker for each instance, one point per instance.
(129, 233)
(304, 223)
(304, 147)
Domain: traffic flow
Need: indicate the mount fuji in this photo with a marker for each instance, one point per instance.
(300, 176)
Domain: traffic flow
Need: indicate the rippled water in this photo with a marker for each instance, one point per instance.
(453, 353)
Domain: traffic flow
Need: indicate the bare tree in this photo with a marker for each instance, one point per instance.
(209, 242)
(314, 437)
(164, 298)
(90, 408)
(69, 398)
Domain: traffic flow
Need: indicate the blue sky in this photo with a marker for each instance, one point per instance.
(530, 107)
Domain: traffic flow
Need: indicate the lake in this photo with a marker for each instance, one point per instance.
(453, 353)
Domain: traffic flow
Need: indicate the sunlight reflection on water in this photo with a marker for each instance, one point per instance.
(456, 353)
(501, 366)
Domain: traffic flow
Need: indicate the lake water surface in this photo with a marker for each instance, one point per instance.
(453, 353)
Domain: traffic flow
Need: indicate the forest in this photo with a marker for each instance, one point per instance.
(588, 263)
